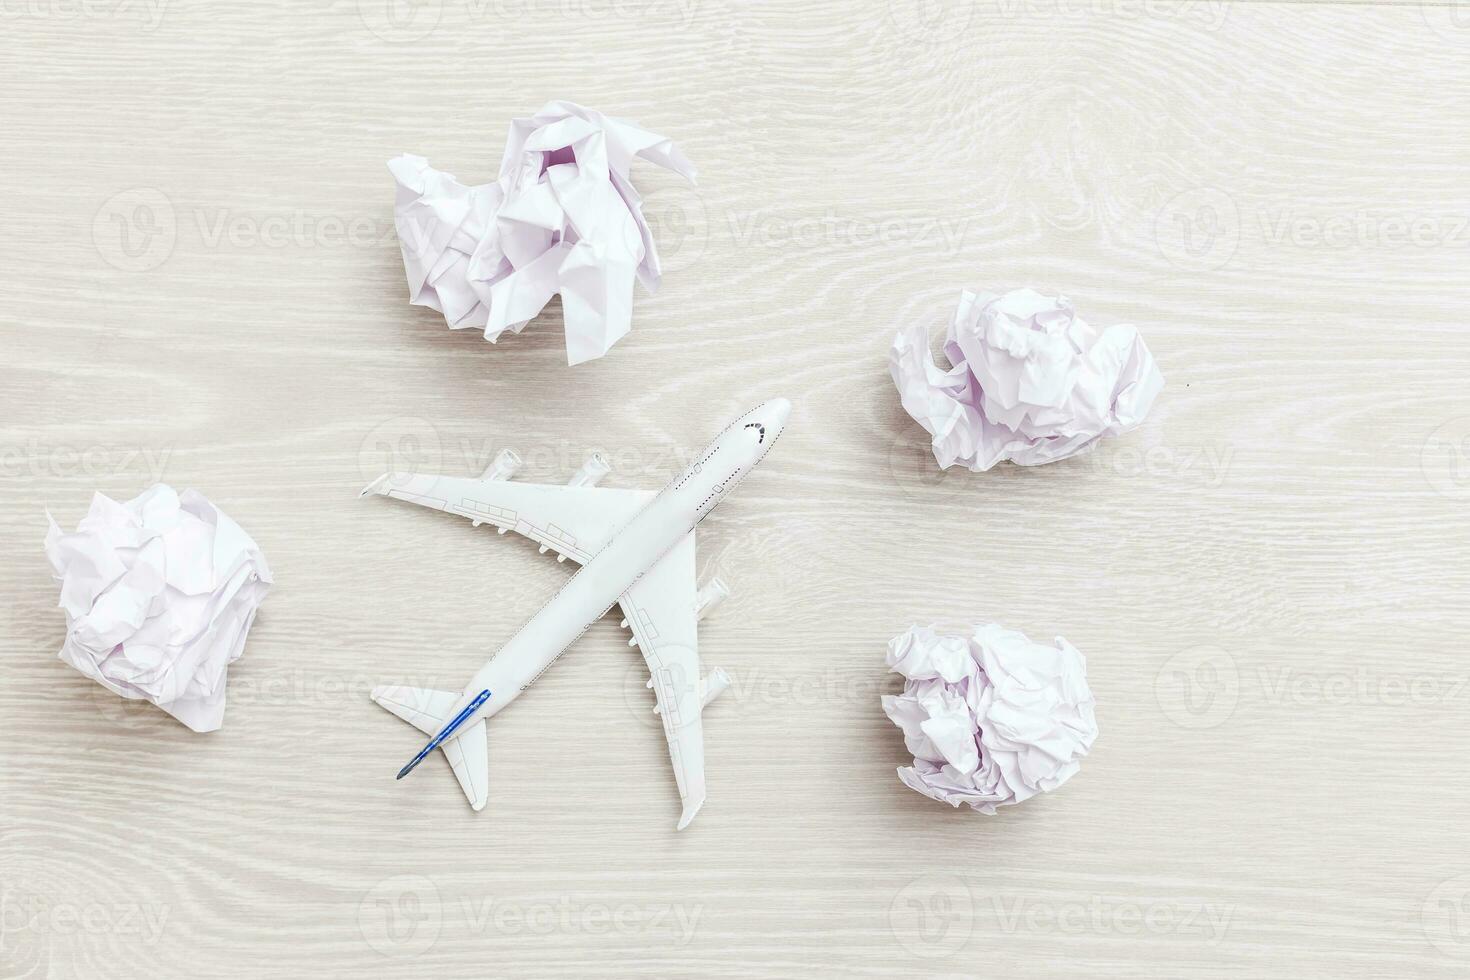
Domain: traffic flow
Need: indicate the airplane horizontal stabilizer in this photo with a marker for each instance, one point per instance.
(428, 710)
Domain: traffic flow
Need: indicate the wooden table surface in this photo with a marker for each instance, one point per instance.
(200, 283)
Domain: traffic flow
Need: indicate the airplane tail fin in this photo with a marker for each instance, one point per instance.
(428, 711)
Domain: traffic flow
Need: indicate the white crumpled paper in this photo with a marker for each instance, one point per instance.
(990, 717)
(562, 218)
(159, 594)
(1032, 382)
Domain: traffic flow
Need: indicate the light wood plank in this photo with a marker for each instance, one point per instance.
(1275, 193)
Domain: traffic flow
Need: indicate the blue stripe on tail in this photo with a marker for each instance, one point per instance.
(445, 733)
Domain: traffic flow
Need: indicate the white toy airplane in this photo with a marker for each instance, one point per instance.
(636, 549)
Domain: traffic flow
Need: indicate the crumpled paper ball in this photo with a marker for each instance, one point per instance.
(1031, 382)
(990, 717)
(563, 217)
(159, 594)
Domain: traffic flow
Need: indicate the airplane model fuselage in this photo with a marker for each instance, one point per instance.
(641, 535)
(595, 589)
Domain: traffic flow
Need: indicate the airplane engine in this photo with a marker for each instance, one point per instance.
(505, 465)
(592, 472)
(714, 592)
(713, 685)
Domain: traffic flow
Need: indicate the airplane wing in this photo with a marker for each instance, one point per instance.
(661, 609)
(575, 522)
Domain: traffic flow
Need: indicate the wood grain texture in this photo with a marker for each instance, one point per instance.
(1268, 577)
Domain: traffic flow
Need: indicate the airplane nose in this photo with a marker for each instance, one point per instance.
(780, 410)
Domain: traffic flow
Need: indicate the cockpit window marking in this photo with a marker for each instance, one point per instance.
(762, 428)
